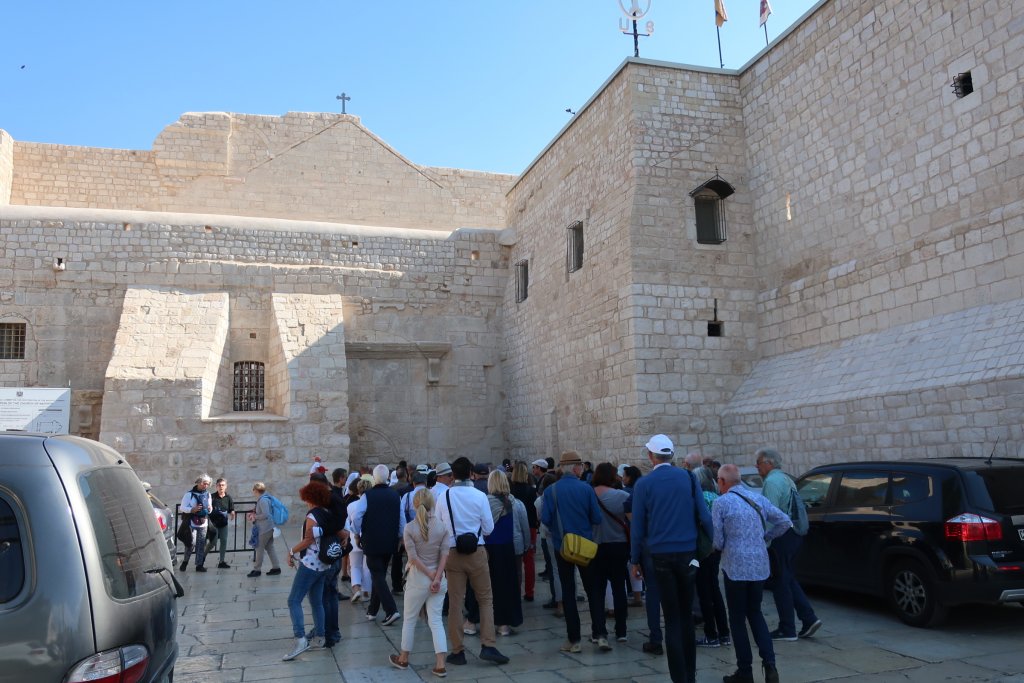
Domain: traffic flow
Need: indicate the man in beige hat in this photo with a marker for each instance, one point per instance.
(570, 507)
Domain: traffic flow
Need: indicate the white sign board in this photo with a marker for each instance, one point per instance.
(35, 409)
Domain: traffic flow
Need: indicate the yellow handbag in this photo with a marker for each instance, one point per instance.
(575, 548)
(578, 550)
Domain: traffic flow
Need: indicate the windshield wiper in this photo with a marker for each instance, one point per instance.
(178, 590)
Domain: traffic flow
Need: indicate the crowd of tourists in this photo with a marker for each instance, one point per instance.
(461, 540)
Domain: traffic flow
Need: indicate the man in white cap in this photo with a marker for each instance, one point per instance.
(667, 507)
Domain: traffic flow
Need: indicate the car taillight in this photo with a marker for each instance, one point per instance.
(160, 519)
(971, 527)
(124, 665)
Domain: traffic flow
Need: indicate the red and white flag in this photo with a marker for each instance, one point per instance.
(766, 10)
(720, 15)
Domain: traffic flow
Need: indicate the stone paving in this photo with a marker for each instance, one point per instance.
(235, 629)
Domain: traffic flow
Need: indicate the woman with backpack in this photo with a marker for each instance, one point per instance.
(263, 520)
(310, 569)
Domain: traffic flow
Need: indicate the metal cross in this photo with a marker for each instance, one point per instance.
(344, 98)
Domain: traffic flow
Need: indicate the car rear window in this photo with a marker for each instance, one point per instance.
(125, 530)
(910, 488)
(862, 489)
(12, 563)
(1000, 488)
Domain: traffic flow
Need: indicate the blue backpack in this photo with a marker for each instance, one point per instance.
(278, 512)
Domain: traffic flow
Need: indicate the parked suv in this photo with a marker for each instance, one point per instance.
(86, 589)
(924, 534)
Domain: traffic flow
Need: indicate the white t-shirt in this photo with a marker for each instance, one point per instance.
(311, 558)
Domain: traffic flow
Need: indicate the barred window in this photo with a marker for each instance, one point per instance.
(709, 209)
(575, 247)
(12, 341)
(522, 281)
(249, 389)
(710, 218)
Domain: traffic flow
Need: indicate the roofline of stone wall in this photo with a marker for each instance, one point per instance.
(668, 65)
(61, 213)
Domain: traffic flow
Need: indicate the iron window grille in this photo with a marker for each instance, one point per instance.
(249, 386)
(12, 341)
(709, 208)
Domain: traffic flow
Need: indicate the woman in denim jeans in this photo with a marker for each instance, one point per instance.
(310, 571)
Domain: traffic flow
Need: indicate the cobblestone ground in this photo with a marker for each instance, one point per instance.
(235, 629)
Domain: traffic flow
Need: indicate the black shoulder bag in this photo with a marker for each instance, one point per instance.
(465, 544)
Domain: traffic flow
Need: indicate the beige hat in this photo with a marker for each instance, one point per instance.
(570, 458)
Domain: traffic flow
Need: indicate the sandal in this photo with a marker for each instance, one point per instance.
(396, 661)
(440, 673)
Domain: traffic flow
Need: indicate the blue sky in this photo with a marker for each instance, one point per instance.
(477, 85)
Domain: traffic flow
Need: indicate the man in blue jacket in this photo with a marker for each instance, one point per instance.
(570, 507)
(665, 518)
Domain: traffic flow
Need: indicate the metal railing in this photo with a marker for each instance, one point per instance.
(238, 529)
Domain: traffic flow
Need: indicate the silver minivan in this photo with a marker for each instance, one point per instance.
(86, 588)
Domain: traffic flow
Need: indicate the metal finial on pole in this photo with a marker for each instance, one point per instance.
(634, 14)
(344, 98)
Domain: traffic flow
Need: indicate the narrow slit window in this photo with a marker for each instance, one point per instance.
(12, 341)
(249, 386)
(522, 281)
(575, 247)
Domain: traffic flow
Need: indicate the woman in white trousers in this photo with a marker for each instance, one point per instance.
(426, 544)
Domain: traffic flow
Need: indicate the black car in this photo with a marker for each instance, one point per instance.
(924, 534)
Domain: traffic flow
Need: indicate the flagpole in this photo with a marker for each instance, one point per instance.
(718, 32)
(765, 24)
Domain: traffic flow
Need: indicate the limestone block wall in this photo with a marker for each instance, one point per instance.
(947, 386)
(320, 288)
(569, 345)
(905, 201)
(688, 126)
(325, 167)
(65, 175)
(6, 166)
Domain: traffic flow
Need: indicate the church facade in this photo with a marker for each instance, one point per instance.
(822, 251)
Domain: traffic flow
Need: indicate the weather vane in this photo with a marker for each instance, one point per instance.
(344, 98)
(634, 14)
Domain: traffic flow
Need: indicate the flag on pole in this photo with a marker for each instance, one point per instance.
(766, 10)
(720, 15)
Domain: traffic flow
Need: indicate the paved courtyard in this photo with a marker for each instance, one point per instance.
(235, 629)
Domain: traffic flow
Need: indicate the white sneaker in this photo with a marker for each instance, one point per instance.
(301, 645)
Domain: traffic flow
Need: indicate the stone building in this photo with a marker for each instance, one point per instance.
(822, 251)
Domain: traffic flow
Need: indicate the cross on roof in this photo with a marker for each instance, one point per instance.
(344, 98)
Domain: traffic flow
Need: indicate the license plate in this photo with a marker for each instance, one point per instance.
(1020, 532)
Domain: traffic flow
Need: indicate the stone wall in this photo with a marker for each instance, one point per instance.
(886, 207)
(153, 308)
(689, 127)
(569, 356)
(949, 385)
(906, 202)
(324, 167)
(6, 166)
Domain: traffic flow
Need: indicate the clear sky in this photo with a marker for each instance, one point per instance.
(476, 85)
